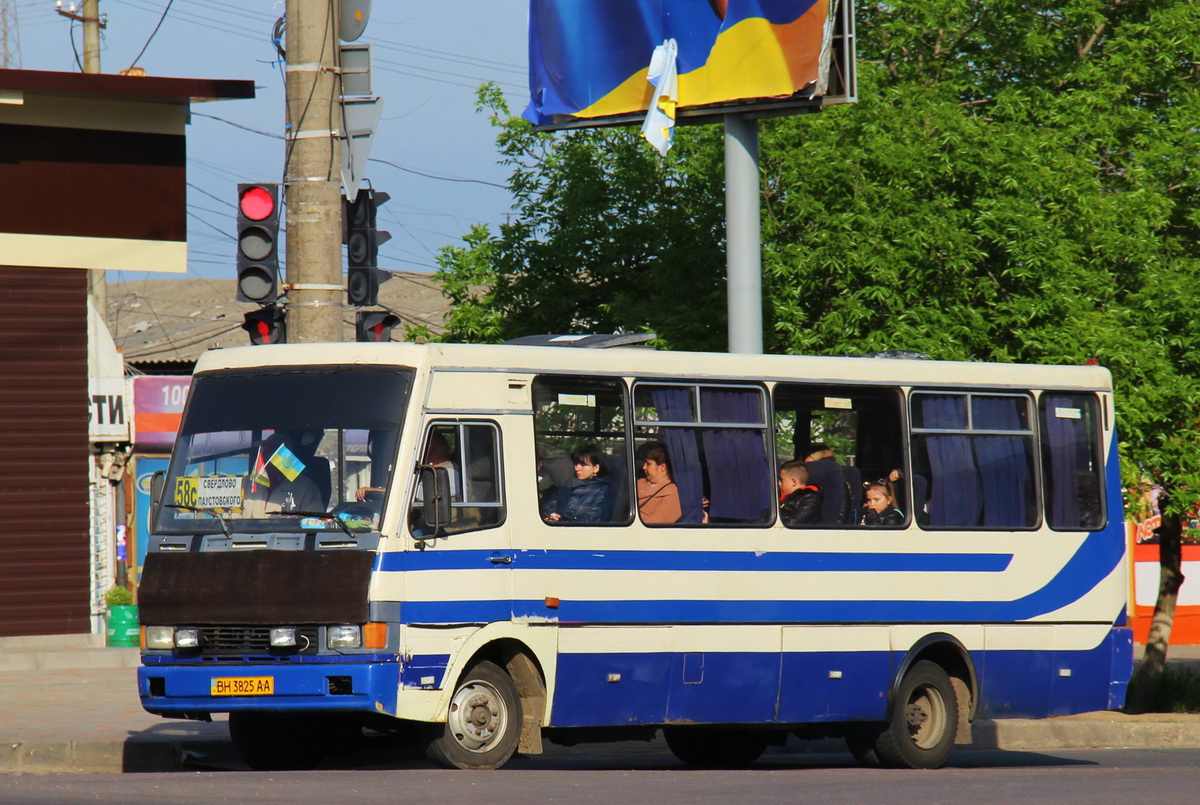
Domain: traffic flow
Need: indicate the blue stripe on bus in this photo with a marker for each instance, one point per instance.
(722, 561)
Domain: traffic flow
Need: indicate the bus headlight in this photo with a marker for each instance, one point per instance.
(283, 636)
(344, 637)
(160, 637)
(187, 638)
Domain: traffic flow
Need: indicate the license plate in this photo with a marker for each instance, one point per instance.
(242, 686)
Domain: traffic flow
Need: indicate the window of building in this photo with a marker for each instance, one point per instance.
(714, 438)
(1071, 461)
(973, 455)
(581, 416)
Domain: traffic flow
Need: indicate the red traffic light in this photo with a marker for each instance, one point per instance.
(256, 203)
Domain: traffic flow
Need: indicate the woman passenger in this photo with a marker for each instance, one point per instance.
(589, 501)
(658, 496)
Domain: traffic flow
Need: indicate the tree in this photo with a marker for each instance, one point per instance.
(607, 238)
(1018, 182)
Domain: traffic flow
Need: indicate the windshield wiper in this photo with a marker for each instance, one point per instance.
(220, 515)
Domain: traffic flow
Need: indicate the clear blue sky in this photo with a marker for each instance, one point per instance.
(429, 58)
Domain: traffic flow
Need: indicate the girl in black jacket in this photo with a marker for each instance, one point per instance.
(881, 507)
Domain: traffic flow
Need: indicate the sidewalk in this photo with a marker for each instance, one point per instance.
(70, 705)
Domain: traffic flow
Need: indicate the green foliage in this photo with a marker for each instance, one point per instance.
(604, 240)
(118, 597)
(1174, 690)
(1018, 182)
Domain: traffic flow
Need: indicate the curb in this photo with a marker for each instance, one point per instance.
(1098, 731)
(61, 757)
(1115, 732)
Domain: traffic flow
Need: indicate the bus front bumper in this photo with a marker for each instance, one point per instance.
(187, 690)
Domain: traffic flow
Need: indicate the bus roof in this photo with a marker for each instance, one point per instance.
(644, 362)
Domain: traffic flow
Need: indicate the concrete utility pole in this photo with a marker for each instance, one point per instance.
(90, 17)
(312, 173)
(743, 241)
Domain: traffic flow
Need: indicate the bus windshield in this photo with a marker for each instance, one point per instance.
(296, 449)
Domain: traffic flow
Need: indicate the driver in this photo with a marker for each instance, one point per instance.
(280, 479)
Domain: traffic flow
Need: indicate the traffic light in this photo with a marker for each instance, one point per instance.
(375, 326)
(258, 243)
(363, 240)
(265, 326)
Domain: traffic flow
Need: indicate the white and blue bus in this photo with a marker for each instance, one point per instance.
(395, 537)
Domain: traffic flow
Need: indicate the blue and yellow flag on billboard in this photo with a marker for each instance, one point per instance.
(592, 58)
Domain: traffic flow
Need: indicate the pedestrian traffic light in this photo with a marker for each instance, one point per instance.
(258, 243)
(265, 326)
(375, 326)
(363, 240)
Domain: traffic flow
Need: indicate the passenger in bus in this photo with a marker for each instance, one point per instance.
(881, 507)
(286, 475)
(799, 502)
(590, 500)
(658, 496)
(829, 476)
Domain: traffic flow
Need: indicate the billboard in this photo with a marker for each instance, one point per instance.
(590, 60)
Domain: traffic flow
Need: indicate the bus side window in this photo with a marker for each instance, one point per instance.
(713, 438)
(470, 454)
(573, 414)
(976, 452)
(850, 437)
(1071, 462)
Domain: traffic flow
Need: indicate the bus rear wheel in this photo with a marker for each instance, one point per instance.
(923, 721)
(716, 748)
(483, 723)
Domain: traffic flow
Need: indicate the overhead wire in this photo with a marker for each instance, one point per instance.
(153, 33)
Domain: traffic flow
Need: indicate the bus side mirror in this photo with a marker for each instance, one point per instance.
(435, 492)
(157, 481)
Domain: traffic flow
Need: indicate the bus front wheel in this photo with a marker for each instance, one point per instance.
(924, 716)
(483, 723)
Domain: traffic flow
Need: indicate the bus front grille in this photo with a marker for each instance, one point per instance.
(254, 640)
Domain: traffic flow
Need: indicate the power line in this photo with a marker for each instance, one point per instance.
(153, 33)
(433, 176)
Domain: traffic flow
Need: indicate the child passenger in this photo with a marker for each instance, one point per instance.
(881, 507)
(589, 501)
(799, 503)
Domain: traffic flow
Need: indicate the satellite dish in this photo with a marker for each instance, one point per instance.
(353, 19)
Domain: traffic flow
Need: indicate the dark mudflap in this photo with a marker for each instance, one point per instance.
(258, 588)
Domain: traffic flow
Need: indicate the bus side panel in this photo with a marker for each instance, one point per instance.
(723, 687)
(1040, 683)
(834, 686)
(608, 689)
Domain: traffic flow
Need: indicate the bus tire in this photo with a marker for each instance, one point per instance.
(277, 741)
(861, 743)
(923, 721)
(483, 723)
(720, 748)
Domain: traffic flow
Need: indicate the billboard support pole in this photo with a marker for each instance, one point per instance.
(743, 236)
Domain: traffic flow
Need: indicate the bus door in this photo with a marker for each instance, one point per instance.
(459, 571)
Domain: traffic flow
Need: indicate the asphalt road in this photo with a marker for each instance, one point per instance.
(629, 776)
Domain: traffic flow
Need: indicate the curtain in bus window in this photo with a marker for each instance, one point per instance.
(954, 497)
(738, 472)
(1073, 495)
(675, 404)
(1003, 461)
